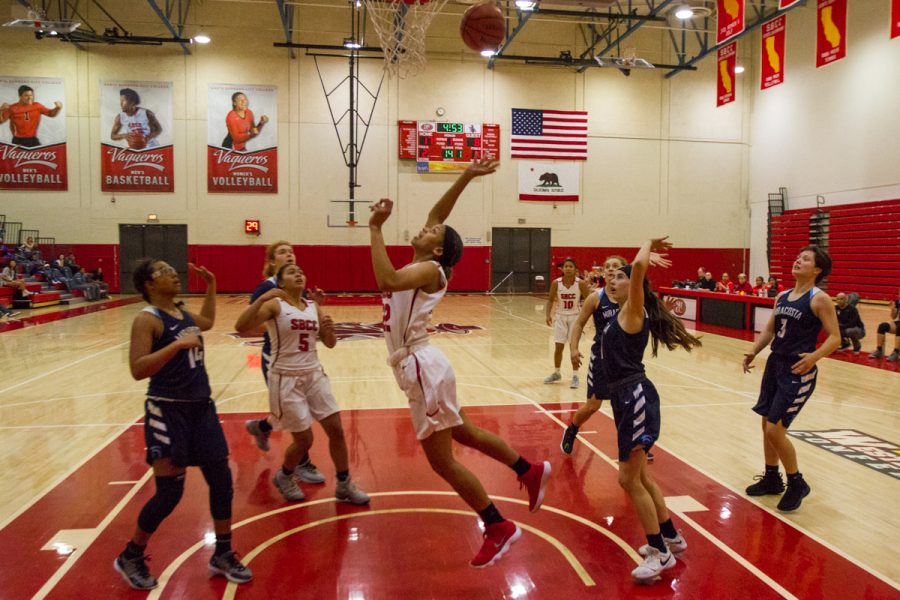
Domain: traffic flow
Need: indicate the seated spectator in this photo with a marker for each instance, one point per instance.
(707, 283)
(701, 275)
(70, 262)
(743, 286)
(725, 286)
(92, 279)
(79, 281)
(773, 288)
(60, 263)
(9, 278)
(760, 288)
(5, 312)
(852, 327)
(890, 327)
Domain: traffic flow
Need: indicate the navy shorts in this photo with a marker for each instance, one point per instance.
(596, 383)
(783, 394)
(636, 412)
(187, 432)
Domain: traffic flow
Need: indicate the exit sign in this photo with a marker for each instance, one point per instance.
(251, 226)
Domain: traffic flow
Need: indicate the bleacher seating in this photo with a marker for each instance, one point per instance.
(863, 240)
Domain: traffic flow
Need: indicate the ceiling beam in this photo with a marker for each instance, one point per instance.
(287, 23)
(162, 17)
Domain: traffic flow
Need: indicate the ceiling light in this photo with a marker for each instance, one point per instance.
(526, 5)
(488, 53)
(351, 43)
(202, 38)
(738, 69)
(684, 12)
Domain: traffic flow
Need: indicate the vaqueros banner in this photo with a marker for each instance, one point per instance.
(33, 134)
(242, 139)
(727, 57)
(136, 136)
(831, 31)
(729, 19)
(549, 181)
(771, 71)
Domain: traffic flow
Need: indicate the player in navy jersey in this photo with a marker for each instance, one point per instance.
(602, 308)
(790, 375)
(635, 402)
(278, 254)
(889, 327)
(181, 427)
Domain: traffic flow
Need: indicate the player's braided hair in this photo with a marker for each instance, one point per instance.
(664, 326)
(453, 250)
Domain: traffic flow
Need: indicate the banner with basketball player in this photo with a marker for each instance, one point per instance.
(33, 134)
(895, 18)
(771, 71)
(136, 120)
(831, 31)
(242, 139)
(725, 83)
(549, 181)
(729, 19)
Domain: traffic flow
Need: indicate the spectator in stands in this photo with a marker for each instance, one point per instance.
(725, 286)
(70, 262)
(5, 312)
(760, 288)
(773, 288)
(29, 246)
(743, 286)
(91, 278)
(707, 283)
(9, 278)
(701, 275)
(79, 282)
(60, 263)
(890, 327)
(851, 325)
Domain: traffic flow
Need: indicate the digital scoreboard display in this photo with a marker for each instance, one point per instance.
(442, 146)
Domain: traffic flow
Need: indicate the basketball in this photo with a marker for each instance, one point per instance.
(136, 140)
(482, 27)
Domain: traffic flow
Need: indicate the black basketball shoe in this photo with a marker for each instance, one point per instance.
(766, 484)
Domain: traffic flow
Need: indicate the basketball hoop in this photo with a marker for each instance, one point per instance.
(401, 26)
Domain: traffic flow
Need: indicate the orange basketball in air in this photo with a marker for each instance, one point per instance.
(482, 27)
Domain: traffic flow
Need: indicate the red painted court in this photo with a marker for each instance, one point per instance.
(416, 538)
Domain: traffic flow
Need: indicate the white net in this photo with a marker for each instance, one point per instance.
(401, 26)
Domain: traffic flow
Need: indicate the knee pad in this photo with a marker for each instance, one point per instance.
(221, 491)
(884, 328)
(168, 493)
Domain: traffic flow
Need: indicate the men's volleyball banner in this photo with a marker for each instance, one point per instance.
(895, 18)
(549, 181)
(242, 139)
(831, 28)
(727, 58)
(729, 19)
(32, 134)
(782, 4)
(771, 71)
(136, 136)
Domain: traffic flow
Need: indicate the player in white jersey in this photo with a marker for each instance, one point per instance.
(424, 374)
(567, 293)
(299, 390)
(138, 126)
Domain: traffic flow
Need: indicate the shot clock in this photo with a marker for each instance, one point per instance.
(443, 146)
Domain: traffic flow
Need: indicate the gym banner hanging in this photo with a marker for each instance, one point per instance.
(727, 57)
(831, 31)
(771, 71)
(729, 19)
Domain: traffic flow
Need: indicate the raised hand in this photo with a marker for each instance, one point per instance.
(317, 295)
(203, 272)
(482, 166)
(57, 104)
(381, 210)
(263, 120)
(660, 260)
(660, 245)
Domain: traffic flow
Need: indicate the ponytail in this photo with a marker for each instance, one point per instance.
(664, 326)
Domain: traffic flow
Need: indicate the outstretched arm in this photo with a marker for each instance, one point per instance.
(207, 316)
(260, 310)
(631, 316)
(441, 210)
(424, 274)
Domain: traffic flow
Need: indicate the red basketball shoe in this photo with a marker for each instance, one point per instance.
(498, 537)
(535, 479)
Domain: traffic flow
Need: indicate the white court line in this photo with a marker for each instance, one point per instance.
(73, 558)
(69, 426)
(124, 482)
(62, 368)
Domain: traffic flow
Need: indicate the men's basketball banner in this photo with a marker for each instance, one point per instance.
(771, 71)
(782, 4)
(549, 134)
(729, 19)
(136, 123)
(242, 139)
(727, 58)
(831, 31)
(33, 134)
(895, 18)
(549, 182)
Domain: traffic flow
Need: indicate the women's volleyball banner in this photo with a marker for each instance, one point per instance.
(729, 19)
(771, 71)
(727, 59)
(32, 134)
(242, 139)
(136, 136)
(831, 31)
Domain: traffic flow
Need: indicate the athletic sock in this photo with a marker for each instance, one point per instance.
(286, 471)
(490, 515)
(132, 550)
(668, 529)
(556, 370)
(264, 425)
(343, 475)
(793, 477)
(521, 466)
(574, 426)
(656, 540)
(223, 543)
(771, 469)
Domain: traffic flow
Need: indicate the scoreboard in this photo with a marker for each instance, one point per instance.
(442, 146)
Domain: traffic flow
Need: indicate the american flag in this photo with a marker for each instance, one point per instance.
(553, 134)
